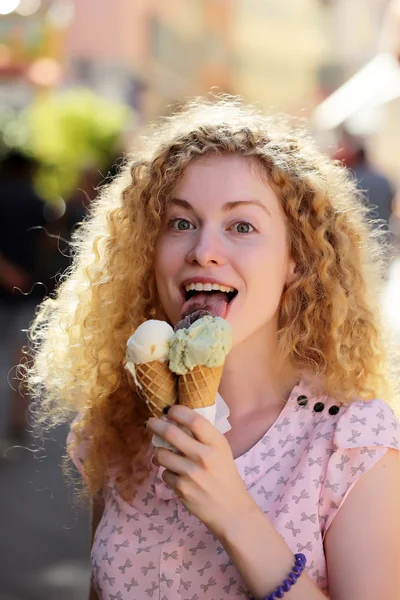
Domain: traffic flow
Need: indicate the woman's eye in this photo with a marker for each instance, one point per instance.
(243, 227)
(180, 224)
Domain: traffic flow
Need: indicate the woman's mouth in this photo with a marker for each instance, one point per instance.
(212, 297)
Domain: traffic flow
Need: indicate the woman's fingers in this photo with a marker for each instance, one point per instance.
(195, 437)
(173, 462)
(173, 434)
(200, 427)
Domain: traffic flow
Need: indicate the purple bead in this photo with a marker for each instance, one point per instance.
(300, 563)
(293, 578)
(280, 592)
(297, 569)
(287, 584)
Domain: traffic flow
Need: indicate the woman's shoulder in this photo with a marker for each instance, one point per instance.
(367, 423)
(351, 424)
(363, 433)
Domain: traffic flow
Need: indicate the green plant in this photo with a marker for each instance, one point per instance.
(66, 131)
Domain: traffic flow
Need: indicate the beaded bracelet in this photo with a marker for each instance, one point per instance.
(290, 580)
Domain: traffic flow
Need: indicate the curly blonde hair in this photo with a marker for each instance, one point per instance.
(329, 320)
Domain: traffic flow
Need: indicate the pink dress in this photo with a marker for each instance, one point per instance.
(299, 473)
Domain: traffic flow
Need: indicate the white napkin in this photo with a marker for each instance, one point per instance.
(222, 414)
(217, 414)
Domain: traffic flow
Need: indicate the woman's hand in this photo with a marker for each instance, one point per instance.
(204, 476)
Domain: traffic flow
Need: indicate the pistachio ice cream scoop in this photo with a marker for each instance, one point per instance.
(205, 343)
(197, 354)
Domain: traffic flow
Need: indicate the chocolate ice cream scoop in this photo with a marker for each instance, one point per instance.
(190, 319)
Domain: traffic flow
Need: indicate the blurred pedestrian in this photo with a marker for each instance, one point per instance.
(90, 180)
(22, 215)
(378, 189)
(229, 211)
(378, 192)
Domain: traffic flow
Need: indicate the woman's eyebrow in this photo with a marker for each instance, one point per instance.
(181, 203)
(232, 205)
(228, 206)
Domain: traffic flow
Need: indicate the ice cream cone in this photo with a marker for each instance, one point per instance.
(198, 388)
(158, 385)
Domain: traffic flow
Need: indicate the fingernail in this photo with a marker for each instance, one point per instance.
(145, 424)
(166, 410)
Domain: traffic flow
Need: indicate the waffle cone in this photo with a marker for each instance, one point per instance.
(159, 385)
(199, 387)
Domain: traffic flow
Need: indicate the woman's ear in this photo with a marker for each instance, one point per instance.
(292, 275)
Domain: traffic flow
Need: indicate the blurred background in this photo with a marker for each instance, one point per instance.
(78, 80)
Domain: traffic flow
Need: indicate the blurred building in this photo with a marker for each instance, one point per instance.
(189, 51)
(152, 53)
(32, 46)
(352, 31)
(363, 63)
(106, 47)
(278, 49)
(161, 53)
(287, 55)
(387, 139)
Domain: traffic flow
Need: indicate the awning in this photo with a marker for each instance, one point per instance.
(375, 84)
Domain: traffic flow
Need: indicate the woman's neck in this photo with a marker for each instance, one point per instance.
(253, 379)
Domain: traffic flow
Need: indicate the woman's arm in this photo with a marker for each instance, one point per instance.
(263, 558)
(97, 513)
(209, 485)
(362, 545)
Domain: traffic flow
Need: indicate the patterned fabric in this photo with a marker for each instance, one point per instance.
(299, 473)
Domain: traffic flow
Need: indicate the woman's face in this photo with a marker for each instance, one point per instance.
(224, 226)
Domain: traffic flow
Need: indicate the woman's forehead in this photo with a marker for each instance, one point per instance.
(224, 179)
(234, 163)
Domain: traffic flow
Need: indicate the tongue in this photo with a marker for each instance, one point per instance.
(191, 318)
(215, 303)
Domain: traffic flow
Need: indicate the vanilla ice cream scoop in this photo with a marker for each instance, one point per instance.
(149, 342)
(147, 352)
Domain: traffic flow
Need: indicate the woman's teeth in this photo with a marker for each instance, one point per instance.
(208, 287)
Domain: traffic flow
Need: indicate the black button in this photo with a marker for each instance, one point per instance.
(302, 400)
(333, 410)
(319, 407)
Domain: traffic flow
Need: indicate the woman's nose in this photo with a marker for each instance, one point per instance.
(207, 250)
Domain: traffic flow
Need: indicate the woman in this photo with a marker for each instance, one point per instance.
(222, 195)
